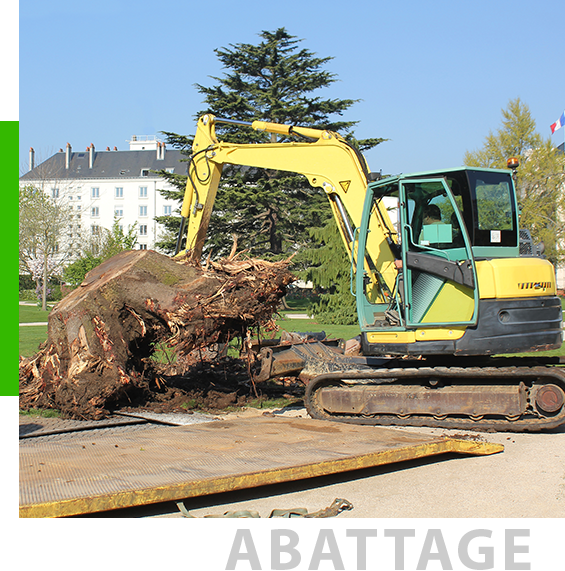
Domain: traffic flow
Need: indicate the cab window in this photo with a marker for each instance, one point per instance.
(431, 218)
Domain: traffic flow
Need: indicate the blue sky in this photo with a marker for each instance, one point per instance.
(432, 77)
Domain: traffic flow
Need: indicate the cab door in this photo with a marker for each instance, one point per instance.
(439, 282)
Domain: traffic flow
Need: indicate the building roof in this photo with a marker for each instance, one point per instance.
(106, 164)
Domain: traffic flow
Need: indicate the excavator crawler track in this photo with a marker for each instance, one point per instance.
(514, 399)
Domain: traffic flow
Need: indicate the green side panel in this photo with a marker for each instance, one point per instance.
(9, 166)
(496, 252)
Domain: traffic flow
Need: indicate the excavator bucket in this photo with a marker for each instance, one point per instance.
(160, 464)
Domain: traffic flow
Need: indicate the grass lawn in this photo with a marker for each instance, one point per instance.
(30, 339)
(32, 336)
(311, 325)
(43, 413)
(32, 314)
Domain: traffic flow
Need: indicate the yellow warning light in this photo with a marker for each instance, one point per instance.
(513, 163)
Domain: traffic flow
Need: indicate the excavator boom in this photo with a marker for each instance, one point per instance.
(323, 157)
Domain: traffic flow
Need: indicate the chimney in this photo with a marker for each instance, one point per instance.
(68, 157)
(31, 159)
(115, 148)
(160, 151)
(91, 156)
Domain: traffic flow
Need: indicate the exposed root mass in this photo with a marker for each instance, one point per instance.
(102, 335)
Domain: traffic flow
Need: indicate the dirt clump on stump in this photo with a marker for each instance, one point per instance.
(101, 336)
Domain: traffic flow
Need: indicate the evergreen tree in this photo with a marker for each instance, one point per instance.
(270, 212)
(540, 177)
(329, 269)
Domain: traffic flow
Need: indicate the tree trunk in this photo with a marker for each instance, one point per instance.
(101, 335)
(44, 288)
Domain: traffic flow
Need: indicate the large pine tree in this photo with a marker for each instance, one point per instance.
(271, 213)
(274, 214)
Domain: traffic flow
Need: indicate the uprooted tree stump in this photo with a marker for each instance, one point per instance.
(101, 335)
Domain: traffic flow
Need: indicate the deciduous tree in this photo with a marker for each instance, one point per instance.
(540, 178)
(42, 236)
(100, 247)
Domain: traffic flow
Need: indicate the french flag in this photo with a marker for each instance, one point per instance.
(558, 124)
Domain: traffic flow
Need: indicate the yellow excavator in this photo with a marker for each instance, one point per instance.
(444, 279)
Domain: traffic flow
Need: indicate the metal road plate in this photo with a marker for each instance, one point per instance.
(110, 471)
(31, 426)
(175, 418)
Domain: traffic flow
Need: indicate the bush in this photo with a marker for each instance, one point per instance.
(26, 282)
(28, 295)
(55, 292)
(74, 273)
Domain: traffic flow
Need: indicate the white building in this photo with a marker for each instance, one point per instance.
(101, 186)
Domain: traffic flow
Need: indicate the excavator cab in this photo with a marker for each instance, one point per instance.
(455, 238)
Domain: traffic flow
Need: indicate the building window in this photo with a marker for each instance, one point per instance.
(78, 207)
(143, 246)
(70, 197)
(95, 230)
(143, 211)
(55, 193)
(167, 210)
(119, 192)
(119, 211)
(95, 212)
(143, 230)
(142, 192)
(79, 197)
(144, 172)
(95, 192)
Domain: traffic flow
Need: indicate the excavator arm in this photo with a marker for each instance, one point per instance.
(323, 157)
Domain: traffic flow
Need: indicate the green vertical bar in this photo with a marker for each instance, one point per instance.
(9, 166)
